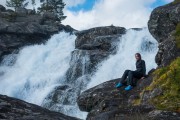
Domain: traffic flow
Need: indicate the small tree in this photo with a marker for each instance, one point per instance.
(54, 6)
(16, 3)
(58, 6)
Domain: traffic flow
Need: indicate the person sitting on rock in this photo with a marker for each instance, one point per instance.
(140, 72)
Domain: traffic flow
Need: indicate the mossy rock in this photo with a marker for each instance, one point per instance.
(177, 35)
(136, 102)
(167, 79)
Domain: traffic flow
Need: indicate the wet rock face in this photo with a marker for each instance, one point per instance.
(162, 25)
(11, 109)
(21, 28)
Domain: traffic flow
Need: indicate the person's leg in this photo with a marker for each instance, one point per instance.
(136, 76)
(130, 81)
(123, 78)
(131, 75)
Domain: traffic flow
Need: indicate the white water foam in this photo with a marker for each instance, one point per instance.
(38, 69)
(133, 41)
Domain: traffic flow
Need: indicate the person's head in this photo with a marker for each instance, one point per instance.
(138, 56)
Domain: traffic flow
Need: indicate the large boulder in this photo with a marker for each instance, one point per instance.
(21, 12)
(162, 25)
(98, 38)
(14, 109)
(93, 97)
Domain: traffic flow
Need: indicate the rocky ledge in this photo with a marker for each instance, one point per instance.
(105, 102)
(25, 27)
(14, 109)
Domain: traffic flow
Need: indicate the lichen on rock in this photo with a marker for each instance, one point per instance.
(166, 79)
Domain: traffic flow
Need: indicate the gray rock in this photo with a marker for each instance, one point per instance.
(49, 16)
(10, 10)
(31, 12)
(163, 115)
(2, 8)
(101, 37)
(21, 12)
(11, 109)
(162, 25)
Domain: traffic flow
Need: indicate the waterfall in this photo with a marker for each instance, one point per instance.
(132, 42)
(46, 74)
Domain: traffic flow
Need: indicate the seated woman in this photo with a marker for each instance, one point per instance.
(140, 72)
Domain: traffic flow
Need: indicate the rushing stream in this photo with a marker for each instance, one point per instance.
(34, 72)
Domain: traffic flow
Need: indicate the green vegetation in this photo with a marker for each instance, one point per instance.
(177, 35)
(16, 3)
(176, 1)
(167, 79)
(53, 6)
(136, 102)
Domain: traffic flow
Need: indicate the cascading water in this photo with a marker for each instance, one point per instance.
(133, 41)
(41, 74)
(37, 70)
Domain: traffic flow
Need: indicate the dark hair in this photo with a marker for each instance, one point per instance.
(139, 55)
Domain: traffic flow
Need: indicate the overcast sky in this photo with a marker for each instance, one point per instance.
(84, 14)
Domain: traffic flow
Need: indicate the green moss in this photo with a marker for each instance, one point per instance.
(136, 102)
(177, 35)
(176, 1)
(167, 79)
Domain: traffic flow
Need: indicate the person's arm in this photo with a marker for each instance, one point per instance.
(144, 68)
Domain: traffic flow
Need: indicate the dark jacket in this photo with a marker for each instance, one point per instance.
(141, 67)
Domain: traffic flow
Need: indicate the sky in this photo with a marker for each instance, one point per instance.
(85, 14)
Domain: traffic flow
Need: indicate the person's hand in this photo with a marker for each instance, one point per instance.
(142, 78)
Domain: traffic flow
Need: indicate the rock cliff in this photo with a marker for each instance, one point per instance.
(162, 25)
